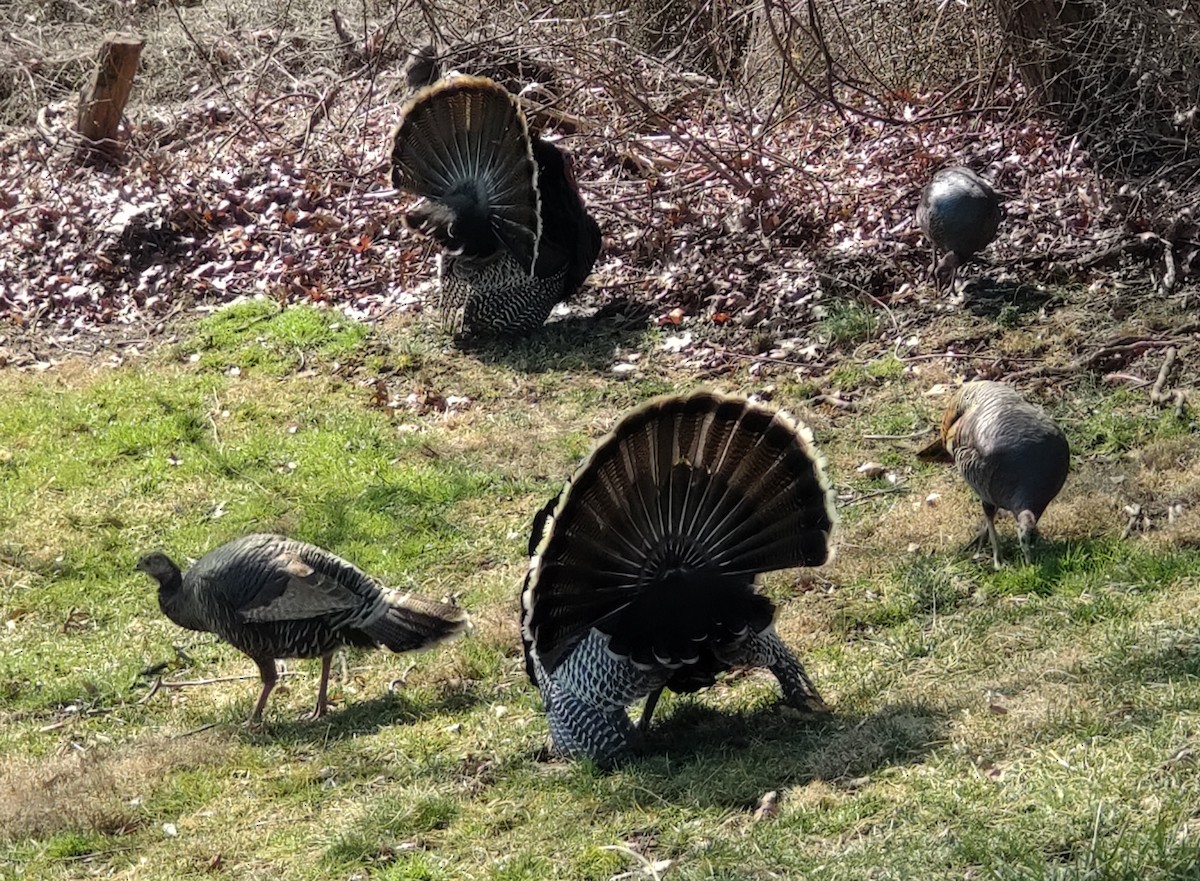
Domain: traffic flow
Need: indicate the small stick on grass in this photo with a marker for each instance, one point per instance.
(184, 734)
(1129, 378)
(911, 436)
(1134, 513)
(1158, 393)
(833, 401)
(154, 689)
(1121, 351)
(1170, 271)
(875, 494)
(188, 683)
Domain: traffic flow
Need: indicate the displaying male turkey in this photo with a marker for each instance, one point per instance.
(1009, 451)
(502, 203)
(272, 597)
(959, 213)
(643, 569)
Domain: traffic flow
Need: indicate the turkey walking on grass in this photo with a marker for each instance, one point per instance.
(959, 213)
(502, 203)
(1009, 451)
(643, 569)
(272, 597)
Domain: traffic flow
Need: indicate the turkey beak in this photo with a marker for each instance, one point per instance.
(935, 452)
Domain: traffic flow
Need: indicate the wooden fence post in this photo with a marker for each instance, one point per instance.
(102, 103)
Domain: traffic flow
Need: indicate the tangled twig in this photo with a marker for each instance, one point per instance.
(1106, 356)
(1160, 394)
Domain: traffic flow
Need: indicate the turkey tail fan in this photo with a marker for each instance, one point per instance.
(407, 622)
(669, 520)
(541, 523)
(464, 145)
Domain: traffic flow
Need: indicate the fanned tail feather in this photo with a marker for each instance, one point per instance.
(657, 539)
(464, 145)
(411, 622)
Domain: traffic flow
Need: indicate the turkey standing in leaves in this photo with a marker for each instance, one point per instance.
(959, 213)
(272, 597)
(502, 204)
(643, 569)
(1009, 451)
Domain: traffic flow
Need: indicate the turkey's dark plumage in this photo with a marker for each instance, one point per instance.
(272, 597)
(959, 213)
(643, 569)
(502, 203)
(423, 67)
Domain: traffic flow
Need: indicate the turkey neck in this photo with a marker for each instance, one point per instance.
(177, 603)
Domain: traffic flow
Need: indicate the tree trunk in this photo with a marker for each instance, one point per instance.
(102, 103)
(1041, 38)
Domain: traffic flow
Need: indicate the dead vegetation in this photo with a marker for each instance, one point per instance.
(256, 149)
(95, 790)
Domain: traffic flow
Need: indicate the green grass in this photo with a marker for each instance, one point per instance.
(1035, 722)
(262, 334)
(1122, 420)
(847, 323)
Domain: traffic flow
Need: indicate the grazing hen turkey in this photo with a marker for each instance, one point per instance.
(1009, 451)
(959, 213)
(272, 597)
(643, 569)
(502, 203)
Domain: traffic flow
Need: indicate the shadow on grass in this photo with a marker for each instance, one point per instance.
(1010, 301)
(701, 755)
(1050, 559)
(572, 343)
(942, 583)
(1178, 659)
(417, 503)
(355, 719)
(1139, 660)
(1105, 566)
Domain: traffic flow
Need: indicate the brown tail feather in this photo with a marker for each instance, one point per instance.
(413, 622)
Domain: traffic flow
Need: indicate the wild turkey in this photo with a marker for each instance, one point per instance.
(503, 205)
(643, 569)
(959, 213)
(1009, 451)
(423, 67)
(272, 597)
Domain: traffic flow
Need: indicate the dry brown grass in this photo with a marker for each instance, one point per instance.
(98, 789)
(193, 51)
